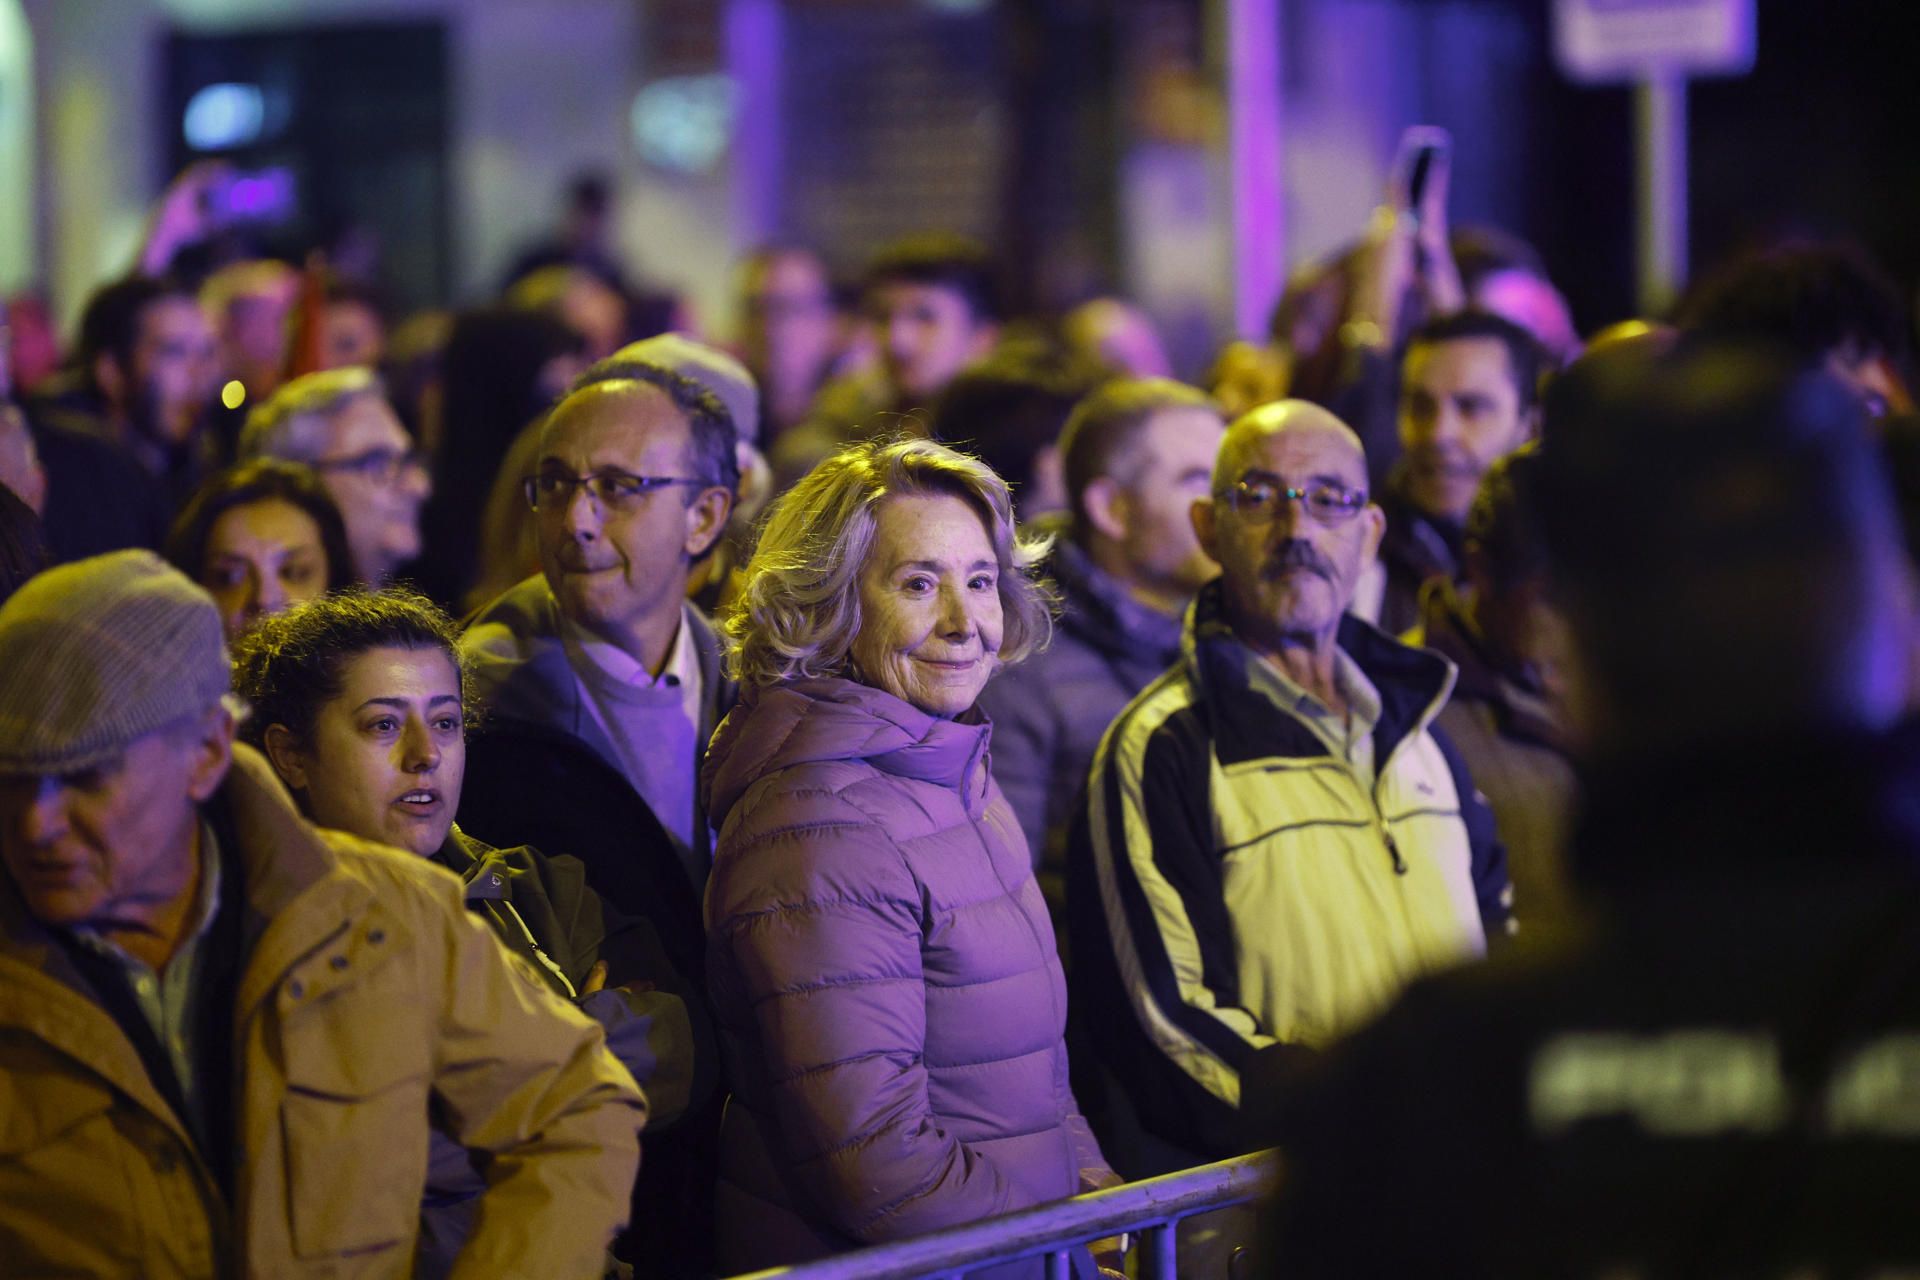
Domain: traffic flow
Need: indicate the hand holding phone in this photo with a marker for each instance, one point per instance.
(1417, 187)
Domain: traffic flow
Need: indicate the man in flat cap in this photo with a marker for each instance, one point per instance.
(223, 1032)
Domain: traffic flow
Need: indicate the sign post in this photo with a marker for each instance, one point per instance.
(1655, 45)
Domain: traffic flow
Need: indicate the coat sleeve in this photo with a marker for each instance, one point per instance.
(1024, 732)
(523, 1079)
(822, 927)
(1492, 887)
(655, 1021)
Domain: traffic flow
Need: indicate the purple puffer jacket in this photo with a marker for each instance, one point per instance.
(885, 979)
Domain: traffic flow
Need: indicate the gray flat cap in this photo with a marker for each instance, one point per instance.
(100, 652)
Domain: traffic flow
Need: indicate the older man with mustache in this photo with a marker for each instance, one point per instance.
(1275, 838)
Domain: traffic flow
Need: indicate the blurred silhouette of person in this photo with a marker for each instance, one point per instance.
(583, 238)
(1711, 1077)
(789, 333)
(1507, 713)
(934, 304)
(1113, 333)
(1826, 302)
(501, 370)
(1125, 562)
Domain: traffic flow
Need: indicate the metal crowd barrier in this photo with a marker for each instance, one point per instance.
(1150, 1208)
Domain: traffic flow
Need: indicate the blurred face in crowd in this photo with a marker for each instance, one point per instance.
(1109, 332)
(930, 614)
(20, 468)
(928, 333)
(351, 334)
(171, 376)
(111, 847)
(1171, 469)
(789, 328)
(387, 756)
(595, 310)
(379, 483)
(1289, 562)
(1459, 412)
(253, 329)
(617, 554)
(1533, 304)
(262, 558)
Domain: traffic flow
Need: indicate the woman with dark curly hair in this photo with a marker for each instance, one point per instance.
(360, 701)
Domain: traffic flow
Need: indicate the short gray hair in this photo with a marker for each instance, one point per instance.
(799, 607)
(294, 421)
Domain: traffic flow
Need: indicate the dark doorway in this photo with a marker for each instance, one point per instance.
(344, 131)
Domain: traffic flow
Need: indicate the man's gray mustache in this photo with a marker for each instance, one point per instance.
(1297, 555)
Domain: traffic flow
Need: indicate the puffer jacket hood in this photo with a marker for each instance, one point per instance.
(885, 981)
(825, 720)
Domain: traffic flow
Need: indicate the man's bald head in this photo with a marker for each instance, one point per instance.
(1252, 430)
(1289, 524)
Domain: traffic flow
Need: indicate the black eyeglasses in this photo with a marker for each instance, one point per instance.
(1259, 500)
(384, 464)
(613, 490)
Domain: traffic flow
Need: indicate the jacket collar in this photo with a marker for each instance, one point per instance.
(1520, 705)
(483, 869)
(1413, 685)
(1415, 543)
(278, 856)
(1101, 614)
(830, 718)
(519, 663)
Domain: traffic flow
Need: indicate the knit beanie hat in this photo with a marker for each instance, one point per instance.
(97, 653)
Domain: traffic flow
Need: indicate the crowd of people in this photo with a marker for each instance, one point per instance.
(533, 791)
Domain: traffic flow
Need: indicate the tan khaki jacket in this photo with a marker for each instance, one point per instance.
(367, 992)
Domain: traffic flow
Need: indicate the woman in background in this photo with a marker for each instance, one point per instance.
(261, 537)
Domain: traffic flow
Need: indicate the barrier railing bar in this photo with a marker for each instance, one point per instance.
(1154, 1204)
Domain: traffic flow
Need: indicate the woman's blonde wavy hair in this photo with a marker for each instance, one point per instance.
(799, 606)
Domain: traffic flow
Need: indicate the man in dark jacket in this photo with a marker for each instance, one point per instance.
(1507, 713)
(1468, 388)
(1716, 1077)
(1136, 456)
(601, 682)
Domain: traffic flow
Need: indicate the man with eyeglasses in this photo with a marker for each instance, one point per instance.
(602, 684)
(1275, 839)
(340, 424)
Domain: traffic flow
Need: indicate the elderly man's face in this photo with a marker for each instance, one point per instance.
(379, 484)
(111, 847)
(616, 560)
(1290, 573)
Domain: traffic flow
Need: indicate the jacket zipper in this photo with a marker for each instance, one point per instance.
(1399, 863)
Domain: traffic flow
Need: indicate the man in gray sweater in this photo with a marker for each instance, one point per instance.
(1136, 455)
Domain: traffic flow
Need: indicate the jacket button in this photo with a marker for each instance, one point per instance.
(296, 989)
(376, 936)
(338, 962)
